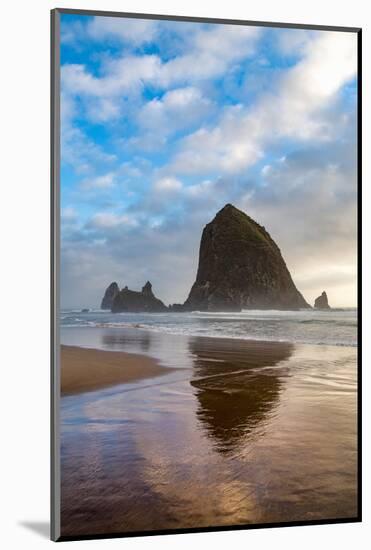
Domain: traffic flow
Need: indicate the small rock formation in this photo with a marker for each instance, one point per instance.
(241, 267)
(110, 294)
(137, 302)
(322, 302)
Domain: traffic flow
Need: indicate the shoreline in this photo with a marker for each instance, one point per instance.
(250, 339)
(95, 360)
(298, 328)
(91, 369)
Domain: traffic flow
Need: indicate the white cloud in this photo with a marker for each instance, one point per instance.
(122, 76)
(135, 31)
(102, 109)
(68, 214)
(204, 188)
(68, 109)
(167, 185)
(131, 32)
(70, 33)
(291, 42)
(106, 220)
(131, 170)
(223, 149)
(296, 110)
(211, 52)
(329, 62)
(106, 181)
(182, 97)
(176, 109)
(77, 149)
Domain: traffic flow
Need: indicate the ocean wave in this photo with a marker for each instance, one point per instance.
(218, 332)
(334, 327)
(277, 312)
(90, 311)
(96, 324)
(338, 323)
(264, 338)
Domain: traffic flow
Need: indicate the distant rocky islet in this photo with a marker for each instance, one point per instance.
(322, 302)
(240, 267)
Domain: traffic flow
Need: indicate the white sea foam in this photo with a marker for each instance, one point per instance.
(335, 327)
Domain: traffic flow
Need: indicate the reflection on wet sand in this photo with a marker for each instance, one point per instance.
(234, 388)
(117, 340)
(244, 432)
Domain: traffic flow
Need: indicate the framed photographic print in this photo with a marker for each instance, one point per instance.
(205, 274)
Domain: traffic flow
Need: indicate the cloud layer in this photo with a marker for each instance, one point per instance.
(165, 122)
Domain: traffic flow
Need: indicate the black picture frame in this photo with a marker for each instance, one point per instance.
(55, 265)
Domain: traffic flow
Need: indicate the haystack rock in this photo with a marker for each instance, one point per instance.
(241, 267)
(322, 302)
(110, 294)
(137, 302)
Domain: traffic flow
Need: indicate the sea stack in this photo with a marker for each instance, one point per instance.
(137, 302)
(241, 267)
(322, 302)
(111, 292)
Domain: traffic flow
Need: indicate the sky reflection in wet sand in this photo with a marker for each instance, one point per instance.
(246, 432)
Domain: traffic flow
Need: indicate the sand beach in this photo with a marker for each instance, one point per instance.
(232, 432)
(92, 369)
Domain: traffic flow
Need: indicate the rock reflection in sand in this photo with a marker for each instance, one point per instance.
(237, 387)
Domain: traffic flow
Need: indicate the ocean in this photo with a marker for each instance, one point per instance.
(333, 327)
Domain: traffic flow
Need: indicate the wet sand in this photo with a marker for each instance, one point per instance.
(91, 369)
(241, 433)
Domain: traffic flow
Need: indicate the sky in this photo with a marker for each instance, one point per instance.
(164, 122)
